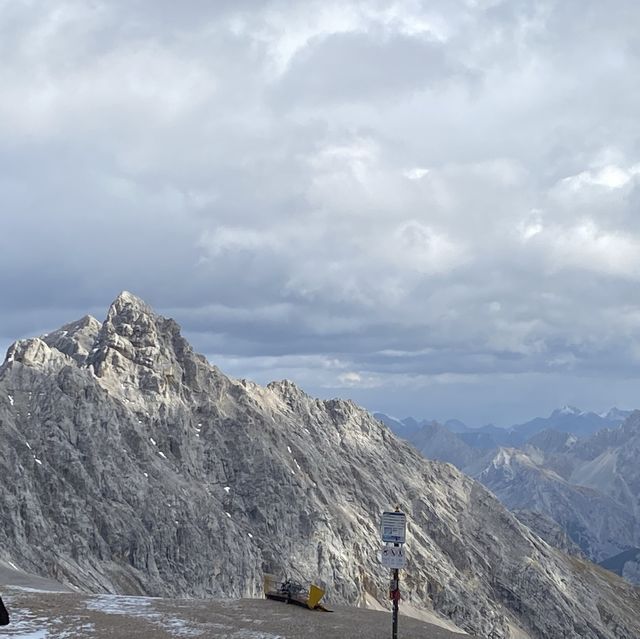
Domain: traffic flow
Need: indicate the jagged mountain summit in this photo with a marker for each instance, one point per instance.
(130, 464)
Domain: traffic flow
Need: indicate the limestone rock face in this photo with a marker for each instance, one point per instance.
(549, 530)
(75, 339)
(129, 464)
(596, 523)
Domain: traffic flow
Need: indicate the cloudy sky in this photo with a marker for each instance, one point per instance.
(430, 207)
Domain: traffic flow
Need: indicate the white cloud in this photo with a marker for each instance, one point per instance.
(227, 239)
(419, 247)
(401, 192)
(587, 247)
(350, 379)
(608, 177)
(416, 173)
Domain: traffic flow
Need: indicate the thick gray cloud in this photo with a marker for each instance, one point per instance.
(429, 207)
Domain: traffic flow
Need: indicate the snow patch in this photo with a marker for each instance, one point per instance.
(162, 454)
(121, 605)
(10, 399)
(153, 441)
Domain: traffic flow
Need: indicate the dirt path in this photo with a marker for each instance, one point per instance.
(48, 615)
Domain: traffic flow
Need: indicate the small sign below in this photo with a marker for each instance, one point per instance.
(393, 557)
(394, 527)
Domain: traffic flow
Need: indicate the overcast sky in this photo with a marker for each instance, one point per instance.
(430, 207)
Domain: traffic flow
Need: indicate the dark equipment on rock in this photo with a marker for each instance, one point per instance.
(289, 591)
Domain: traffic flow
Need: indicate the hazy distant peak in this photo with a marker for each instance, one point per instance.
(456, 426)
(507, 456)
(567, 410)
(616, 414)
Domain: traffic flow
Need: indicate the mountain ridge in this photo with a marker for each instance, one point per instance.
(141, 468)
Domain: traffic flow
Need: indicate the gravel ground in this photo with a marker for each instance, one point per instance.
(38, 614)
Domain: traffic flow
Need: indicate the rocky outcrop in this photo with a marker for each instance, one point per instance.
(549, 530)
(140, 468)
(434, 441)
(594, 522)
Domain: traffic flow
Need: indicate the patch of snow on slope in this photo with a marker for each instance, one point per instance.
(24, 624)
(252, 634)
(141, 607)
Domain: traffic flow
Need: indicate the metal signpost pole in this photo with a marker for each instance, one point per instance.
(396, 601)
(393, 528)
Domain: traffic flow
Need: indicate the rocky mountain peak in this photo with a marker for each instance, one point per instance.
(128, 300)
(550, 440)
(566, 410)
(136, 350)
(72, 340)
(286, 387)
(616, 414)
(75, 339)
(632, 424)
(34, 353)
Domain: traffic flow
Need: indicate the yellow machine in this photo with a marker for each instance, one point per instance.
(289, 591)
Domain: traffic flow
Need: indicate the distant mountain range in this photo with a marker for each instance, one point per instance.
(575, 468)
(567, 419)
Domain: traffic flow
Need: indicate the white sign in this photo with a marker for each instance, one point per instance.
(393, 557)
(393, 527)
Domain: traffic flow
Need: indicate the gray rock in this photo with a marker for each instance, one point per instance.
(140, 468)
(549, 530)
(596, 523)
